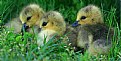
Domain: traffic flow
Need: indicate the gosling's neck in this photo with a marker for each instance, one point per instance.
(37, 23)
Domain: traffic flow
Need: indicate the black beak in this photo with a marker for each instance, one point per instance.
(75, 24)
(24, 28)
(39, 29)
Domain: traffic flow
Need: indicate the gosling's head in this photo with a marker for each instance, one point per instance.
(53, 20)
(88, 15)
(30, 15)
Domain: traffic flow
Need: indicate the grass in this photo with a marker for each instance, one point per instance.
(15, 47)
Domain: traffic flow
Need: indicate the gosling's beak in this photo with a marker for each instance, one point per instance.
(39, 29)
(75, 24)
(24, 27)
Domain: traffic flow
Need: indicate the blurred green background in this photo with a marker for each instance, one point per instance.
(11, 8)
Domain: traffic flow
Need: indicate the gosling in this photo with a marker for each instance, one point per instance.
(30, 16)
(93, 34)
(51, 24)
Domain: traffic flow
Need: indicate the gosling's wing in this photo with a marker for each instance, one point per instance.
(15, 24)
(99, 46)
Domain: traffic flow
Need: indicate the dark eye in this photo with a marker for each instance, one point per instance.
(44, 23)
(83, 17)
(28, 18)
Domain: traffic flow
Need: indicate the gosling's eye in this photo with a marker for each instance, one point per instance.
(44, 23)
(28, 18)
(83, 17)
